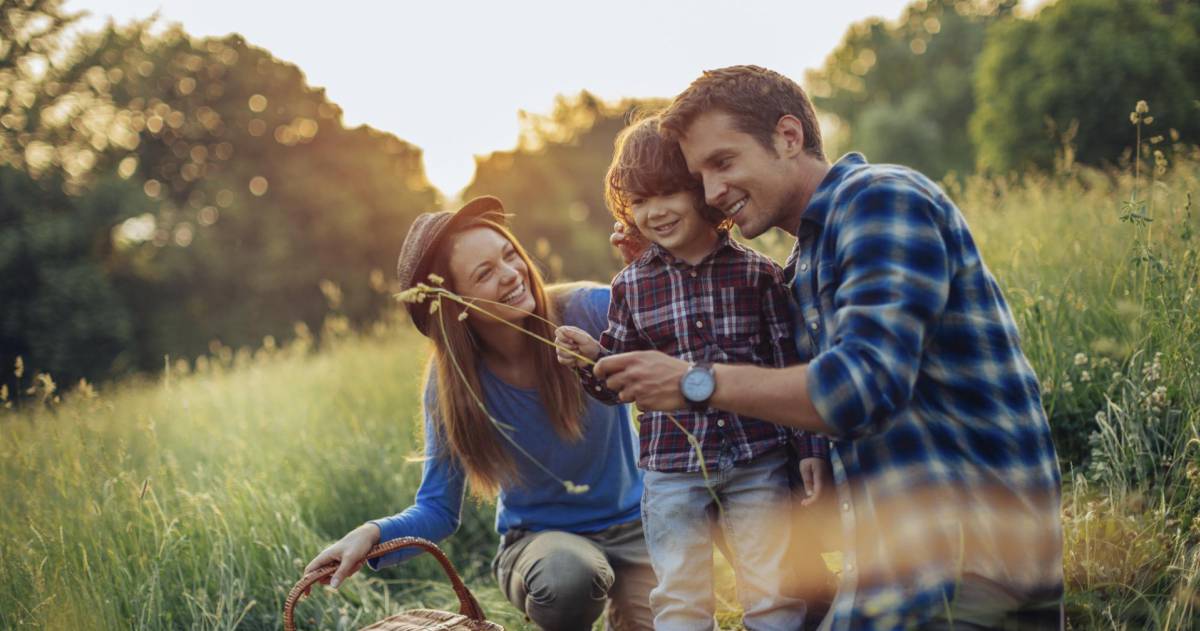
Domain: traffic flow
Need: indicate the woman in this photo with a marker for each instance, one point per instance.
(564, 554)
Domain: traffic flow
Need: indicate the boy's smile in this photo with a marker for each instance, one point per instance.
(673, 222)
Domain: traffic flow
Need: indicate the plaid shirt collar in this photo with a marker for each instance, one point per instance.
(821, 202)
(658, 252)
(815, 215)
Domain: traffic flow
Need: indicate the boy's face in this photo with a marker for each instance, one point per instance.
(751, 185)
(674, 222)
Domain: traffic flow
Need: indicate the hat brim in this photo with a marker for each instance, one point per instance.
(483, 206)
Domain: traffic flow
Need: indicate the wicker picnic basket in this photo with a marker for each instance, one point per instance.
(469, 617)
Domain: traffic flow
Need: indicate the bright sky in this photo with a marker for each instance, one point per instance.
(450, 76)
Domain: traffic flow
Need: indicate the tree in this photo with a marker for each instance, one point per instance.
(165, 191)
(260, 194)
(1073, 73)
(59, 309)
(554, 183)
(904, 90)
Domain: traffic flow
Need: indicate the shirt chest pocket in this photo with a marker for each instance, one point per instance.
(737, 322)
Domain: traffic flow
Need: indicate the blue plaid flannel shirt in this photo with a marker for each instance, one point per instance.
(941, 451)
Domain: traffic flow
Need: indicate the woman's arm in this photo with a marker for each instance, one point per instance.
(434, 515)
(437, 509)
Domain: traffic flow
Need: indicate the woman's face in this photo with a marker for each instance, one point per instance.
(485, 265)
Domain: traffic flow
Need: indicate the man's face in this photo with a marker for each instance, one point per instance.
(754, 186)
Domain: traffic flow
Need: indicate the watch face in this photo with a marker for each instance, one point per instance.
(698, 385)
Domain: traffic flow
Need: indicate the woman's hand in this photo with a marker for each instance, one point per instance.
(630, 245)
(350, 551)
(816, 474)
(578, 341)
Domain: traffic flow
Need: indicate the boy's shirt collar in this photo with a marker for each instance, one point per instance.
(656, 251)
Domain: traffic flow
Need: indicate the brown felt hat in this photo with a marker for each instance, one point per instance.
(425, 236)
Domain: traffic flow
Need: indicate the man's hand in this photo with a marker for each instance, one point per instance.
(630, 245)
(816, 474)
(648, 378)
(576, 340)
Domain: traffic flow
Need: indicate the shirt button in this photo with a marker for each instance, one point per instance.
(694, 274)
(804, 267)
(598, 388)
(699, 324)
(846, 506)
(814, 325)
(720, 422)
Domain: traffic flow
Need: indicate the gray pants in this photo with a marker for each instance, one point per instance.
(562, 580)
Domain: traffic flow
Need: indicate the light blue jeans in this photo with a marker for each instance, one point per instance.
(680, 517)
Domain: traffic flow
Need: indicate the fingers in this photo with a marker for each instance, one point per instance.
(326, 556)
(613, 364)
(346, 569)
(574, 335)
(812, 472)
(324, 580)
(567, 344)
(322, 559)
(629, 243)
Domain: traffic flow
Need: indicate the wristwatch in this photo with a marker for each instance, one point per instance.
(697, 386)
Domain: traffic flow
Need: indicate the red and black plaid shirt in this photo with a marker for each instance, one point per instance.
(731, 308)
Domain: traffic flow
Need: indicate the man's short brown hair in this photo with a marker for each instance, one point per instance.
(647, 164)
(755, 97)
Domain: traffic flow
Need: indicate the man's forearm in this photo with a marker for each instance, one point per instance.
(778, 395)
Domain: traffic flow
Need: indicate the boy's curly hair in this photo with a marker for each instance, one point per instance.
(646, 164)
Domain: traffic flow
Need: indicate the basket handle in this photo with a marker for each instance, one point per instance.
(468, 606)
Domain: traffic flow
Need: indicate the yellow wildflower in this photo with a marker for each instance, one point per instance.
(413, 295)
(576, 489)
(87, 390)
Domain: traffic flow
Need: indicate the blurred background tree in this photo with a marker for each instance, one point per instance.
(163, 192)
(1072, 73)
(901, 91)
(554, 182)
(261, 195)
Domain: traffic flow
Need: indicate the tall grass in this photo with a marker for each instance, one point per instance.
(194, 499)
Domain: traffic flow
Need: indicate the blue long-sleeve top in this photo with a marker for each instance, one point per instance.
(605, 459)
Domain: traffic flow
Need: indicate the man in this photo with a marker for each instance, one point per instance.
(947, 480)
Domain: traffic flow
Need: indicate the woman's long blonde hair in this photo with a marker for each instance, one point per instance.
(466, 429)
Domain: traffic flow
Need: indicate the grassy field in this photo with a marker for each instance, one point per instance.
(194, 498)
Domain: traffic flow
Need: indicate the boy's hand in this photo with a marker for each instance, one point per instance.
(817, 475)
(631, 245)
(577, 340)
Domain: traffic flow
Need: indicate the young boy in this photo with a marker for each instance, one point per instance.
(698, 295)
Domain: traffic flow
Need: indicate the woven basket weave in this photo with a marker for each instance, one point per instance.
(470, 615)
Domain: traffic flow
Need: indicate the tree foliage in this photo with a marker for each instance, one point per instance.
(903, 90)
(164, 192)
(1071, 75)
(554, 183)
